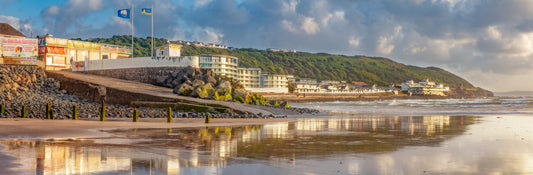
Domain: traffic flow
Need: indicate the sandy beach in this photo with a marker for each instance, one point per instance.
(17, 128)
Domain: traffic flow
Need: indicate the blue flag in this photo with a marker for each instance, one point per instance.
(146, 11)
(124, 13)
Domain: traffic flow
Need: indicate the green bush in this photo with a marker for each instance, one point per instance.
(216, 97)
(239, 99)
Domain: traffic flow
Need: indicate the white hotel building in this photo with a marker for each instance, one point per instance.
(220, 64)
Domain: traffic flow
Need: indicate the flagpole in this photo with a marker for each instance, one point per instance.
(132, 12)
(152, 51)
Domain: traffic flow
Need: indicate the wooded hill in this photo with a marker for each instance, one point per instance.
(320, 66)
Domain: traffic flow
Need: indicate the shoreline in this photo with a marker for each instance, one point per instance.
(321, 97)
(41, 129)
(19, 128)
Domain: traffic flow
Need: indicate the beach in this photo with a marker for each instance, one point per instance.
(422, 136)
(18, 128)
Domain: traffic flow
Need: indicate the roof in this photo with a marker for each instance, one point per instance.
(359, 83)
(6, 29)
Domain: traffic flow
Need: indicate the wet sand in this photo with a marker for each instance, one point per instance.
(16, 128)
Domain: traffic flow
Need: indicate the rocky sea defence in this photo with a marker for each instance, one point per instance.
(29, 86)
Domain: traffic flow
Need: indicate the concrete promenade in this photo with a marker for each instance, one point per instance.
(134, 88)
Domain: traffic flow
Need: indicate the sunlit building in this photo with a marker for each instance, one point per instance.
(15, 48)
(249, 77)
(59, 53)
(222, 65)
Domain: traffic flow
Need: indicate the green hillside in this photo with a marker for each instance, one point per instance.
(323, 66)
(320, 66)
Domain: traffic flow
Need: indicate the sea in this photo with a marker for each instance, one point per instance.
(429, 136)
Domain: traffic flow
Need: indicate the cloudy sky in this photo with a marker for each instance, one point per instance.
(488, 42)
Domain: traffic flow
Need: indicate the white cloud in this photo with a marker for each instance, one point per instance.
(22, 25)
(310, 26)
(289, 7)
(354, 42)
(208, 35)
(384, 46)
(200, 3)
(52, 10)
(493, 33)
(287, 25)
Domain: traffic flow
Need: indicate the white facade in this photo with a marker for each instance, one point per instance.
(306, 88)
(169, 50)
(274, 81)
(249, 77)
(222, 65)
(138, 62)
(424, 87)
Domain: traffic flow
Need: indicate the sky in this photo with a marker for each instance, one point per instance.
(487, 42)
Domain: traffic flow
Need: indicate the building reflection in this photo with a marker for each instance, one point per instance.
(169, 151)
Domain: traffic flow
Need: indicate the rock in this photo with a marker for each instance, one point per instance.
(160, 80)
(224, 88)
(23, 89)
(174, 74)
(33, 77)
(185, 89)
(211, 79)
(57, 84)
(8, 86)
(197, 83)
(15, 86)
(175, 83)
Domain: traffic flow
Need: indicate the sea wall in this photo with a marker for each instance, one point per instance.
(147, 75)
(139, 62)
(97, 93)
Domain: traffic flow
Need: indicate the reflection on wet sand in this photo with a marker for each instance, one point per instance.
(175, 151)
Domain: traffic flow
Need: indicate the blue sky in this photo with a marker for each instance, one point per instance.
(488, 42)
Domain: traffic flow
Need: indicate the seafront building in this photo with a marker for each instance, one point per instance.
(220, 64)
(249, 77)
(169, 56)
(59, 53)
(15, 48)
(274, 81)
(424, 87)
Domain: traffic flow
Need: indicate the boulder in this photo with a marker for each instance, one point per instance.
(174, 75)
(224, 88)
(204, 91)
(241, 95)
(160, 80)
(175, 83)
(210, 90)
(210, 79)
(185, 89)
(15, 86)
(23, 89)
(183, 78)
(33, 77)
(197, 83)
